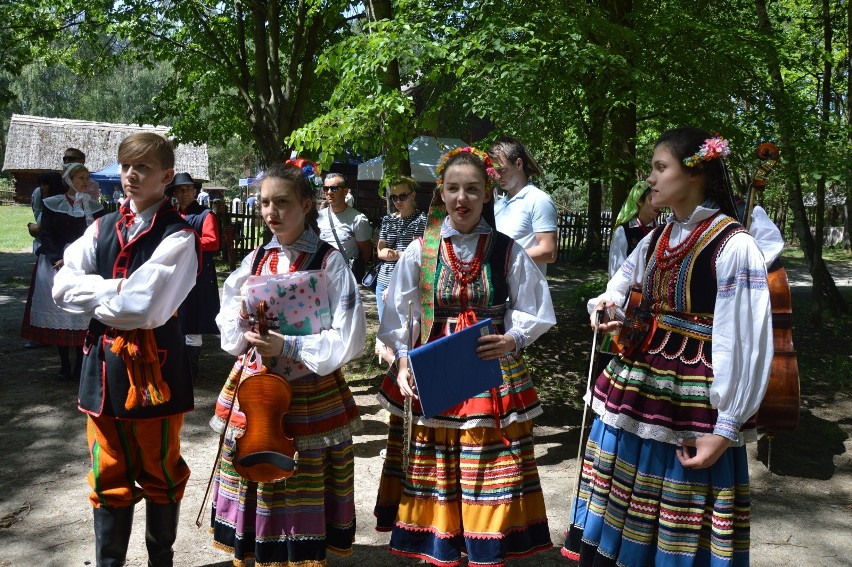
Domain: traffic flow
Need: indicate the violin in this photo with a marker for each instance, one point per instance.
(637, 324)
(779, 410)
(265, 453)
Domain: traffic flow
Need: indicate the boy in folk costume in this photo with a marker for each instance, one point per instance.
(129, 272)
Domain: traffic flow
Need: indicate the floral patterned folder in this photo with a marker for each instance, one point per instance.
(297, 302)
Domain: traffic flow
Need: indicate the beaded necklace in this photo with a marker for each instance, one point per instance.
(465, 272)
(272, 256)
(667, 256)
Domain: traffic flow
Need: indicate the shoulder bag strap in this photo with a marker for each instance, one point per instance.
(334, 232)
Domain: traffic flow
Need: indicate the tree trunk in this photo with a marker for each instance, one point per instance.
(622, 148)
(596, 153)
(825, 116)
(848, 222)
(823, 282)
(622, 145)
(397, 130)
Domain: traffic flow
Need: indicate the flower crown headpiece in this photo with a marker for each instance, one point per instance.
(715, 147)
(309, 169)
(491, 173)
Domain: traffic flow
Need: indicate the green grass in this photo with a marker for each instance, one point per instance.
(13, 228)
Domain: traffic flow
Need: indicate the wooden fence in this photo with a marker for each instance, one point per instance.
(242, 233)
(7, 196)
(571, 231)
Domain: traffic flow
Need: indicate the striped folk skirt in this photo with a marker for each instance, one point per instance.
(467, 491)
(638, 506)
(290, 522)
(297, 520)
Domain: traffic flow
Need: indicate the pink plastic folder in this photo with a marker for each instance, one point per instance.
(297, 302)
(448, 371)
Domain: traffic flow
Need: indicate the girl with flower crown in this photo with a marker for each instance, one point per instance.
(665, 473)
(297, 520)
(471, 484)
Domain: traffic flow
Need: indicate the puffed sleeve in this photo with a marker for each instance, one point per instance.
(330, 349)
(630, 273)
(76, 287)
(766, 234)
(148, 297)
(231, 325)
(404, 288)
(617, 250)
(530, 312)
(742, 335)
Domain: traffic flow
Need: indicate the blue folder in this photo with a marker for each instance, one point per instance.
(448, 371)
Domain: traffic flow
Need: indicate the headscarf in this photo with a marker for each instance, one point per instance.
(81, 199)
(630, 208)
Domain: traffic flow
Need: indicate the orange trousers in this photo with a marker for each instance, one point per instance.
(132, 459)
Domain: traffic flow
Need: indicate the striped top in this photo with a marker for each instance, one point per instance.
(398, 232)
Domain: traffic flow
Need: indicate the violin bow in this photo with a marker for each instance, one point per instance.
(262, 324)
(408, 413)
(575, 491)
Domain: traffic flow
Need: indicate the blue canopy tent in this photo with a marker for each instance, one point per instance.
(109, 175)
(109, 178)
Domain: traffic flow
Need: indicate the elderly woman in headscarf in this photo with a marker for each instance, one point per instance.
(63, 220)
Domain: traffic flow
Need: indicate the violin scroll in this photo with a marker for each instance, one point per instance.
(768, 150)
(262, 320)
(769, 155)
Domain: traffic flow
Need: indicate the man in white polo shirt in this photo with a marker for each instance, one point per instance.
(344, 227)
(524, 212)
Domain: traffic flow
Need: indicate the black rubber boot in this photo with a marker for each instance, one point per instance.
(194, 353)
(161, 522)
(112, 534)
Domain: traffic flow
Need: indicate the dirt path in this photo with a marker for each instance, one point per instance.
(801, 516)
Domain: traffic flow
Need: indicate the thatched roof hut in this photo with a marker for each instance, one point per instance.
(35, 144)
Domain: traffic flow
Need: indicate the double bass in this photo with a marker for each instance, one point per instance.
(265, 453)
(779, 410)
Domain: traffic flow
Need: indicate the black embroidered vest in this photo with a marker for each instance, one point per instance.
(103, 382)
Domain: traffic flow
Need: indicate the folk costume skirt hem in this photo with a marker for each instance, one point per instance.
(469, 491)
(291, 522)
(637, 506)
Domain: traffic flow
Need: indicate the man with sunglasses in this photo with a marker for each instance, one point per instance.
(343, 226)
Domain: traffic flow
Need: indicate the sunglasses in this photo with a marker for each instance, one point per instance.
(332, 188)
(400, 198)
(70, 159)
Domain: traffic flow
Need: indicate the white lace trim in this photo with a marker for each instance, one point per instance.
(487, 421)
(319, 441)
(330, 438)
(658, 432)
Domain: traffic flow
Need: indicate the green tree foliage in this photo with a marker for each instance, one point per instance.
(239, 68)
